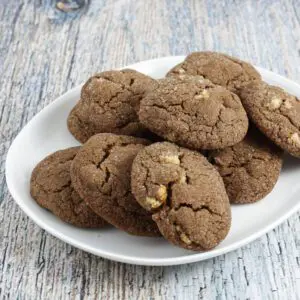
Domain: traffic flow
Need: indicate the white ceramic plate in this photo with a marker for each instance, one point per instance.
(47, 132)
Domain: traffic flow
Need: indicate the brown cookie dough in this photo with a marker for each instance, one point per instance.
(100, 174)
(250, 169)
(276, 113)
(51, 188)
(219, 68)
(109, 101)
(184, 192)
(194, 113)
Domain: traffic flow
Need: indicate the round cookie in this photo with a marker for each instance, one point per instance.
(276, 113)
(250, 169)
(194, 113)
(109, 101)
(221, 69)
(100, 174)
(51, 188)
(184, 192)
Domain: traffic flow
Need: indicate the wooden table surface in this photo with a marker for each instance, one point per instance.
(44, 52)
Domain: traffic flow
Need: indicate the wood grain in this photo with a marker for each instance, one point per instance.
(44, 52)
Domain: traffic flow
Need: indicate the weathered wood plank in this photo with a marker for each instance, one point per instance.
(44, 52)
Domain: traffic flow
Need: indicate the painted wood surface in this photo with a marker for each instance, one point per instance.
(44, 52)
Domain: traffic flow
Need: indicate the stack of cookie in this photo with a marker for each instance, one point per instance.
(167, 157)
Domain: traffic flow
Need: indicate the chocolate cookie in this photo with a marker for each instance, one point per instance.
(51, 188)
(194, 113)
(184, 192)
(276, 113)
(219, 68)
(109, 101)
(100, 174)
(250, 169)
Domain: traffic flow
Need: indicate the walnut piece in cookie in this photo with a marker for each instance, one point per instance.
(276, 113)
(250, 169)
(51, 188)
(109, 103)
(194, 113)
(219, 68)
(100, 174)
(185, 194)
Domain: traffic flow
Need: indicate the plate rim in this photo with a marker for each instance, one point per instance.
(125, 258)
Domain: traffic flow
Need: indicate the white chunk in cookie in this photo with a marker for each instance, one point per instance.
(183, 236)
(287, 104)
(152, 202)
(275, 103)
(180, 71)
(159, 199)
(171, 159)
(295, 139)
(161, 193)
(203, 95)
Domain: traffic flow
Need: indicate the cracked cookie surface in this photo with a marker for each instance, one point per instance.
(51, 188)
(276, 113)
(185, 194)
(219, 68)
(101, 175)
(194, 113)
(109, 103)
(250, 169)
